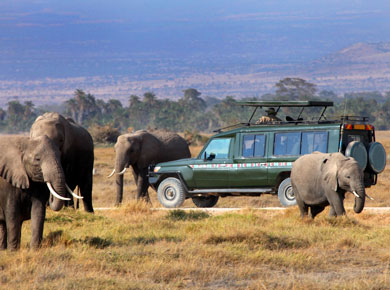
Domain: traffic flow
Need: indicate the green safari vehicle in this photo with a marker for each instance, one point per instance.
(252, 159)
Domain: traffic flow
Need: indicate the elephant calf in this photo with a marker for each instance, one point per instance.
(320, 179)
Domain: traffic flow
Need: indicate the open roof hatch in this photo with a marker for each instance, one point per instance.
(278, 105)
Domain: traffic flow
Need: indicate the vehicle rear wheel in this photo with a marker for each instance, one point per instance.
(285, 193)
(205, 201)
(171, 193)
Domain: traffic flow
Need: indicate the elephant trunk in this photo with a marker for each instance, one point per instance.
(119, 167)
(360, 199)
(55, 178)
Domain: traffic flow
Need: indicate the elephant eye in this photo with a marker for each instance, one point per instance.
(348, 176)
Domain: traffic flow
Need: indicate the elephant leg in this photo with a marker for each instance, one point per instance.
(14, 229)
(135, 173)
(143, 185)
(332, 212)
(303, 208)
(86, 192)
(69, 203)
(38, 213)
(315, 210)
(338, 208)
(3, 235)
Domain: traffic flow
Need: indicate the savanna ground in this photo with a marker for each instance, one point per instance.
(136, 247)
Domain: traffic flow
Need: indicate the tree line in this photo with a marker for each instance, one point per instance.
(192, 112)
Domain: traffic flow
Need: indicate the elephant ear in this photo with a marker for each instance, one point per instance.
(150, 149)
(12, 168)
(329, 170)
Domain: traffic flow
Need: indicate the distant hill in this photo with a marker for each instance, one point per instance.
(359, 67)
(368, 53)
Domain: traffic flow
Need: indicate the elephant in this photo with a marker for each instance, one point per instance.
(27, 166)
(322, 179)
(142, 149)
(76, 147)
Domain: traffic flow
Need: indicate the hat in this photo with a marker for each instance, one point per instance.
(271, 111)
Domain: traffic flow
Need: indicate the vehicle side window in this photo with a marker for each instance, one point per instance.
(253, 146)
(287, 143)
(314, 141)
(219, 147)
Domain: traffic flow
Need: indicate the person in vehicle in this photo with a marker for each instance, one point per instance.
(270, 118)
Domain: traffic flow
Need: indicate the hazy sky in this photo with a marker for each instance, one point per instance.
(262, 31)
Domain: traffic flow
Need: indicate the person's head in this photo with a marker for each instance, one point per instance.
(271, 112)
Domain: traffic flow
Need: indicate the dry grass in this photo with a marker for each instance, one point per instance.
(135, 247)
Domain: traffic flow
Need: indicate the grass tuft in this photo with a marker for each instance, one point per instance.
(181, 215)
(136, 207)
(264, 240)
(56, 238)
(97, 242)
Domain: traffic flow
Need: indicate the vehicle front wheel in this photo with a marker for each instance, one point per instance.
(171, 193)
(205, 201)
(285, 193)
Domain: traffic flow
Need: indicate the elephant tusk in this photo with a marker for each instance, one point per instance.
(355, 193)
(369, 197)
(122, 172)
(112, 173)
(72, 193)
(55, 194)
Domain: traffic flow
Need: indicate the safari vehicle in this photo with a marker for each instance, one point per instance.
(252, 159)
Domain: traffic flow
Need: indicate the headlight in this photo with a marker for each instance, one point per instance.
(156, 169)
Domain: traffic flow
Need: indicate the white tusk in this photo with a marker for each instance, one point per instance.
(355, 193)
(55, 194)
(122, 172)
(369, 197)
(72, 193)
(112, 173)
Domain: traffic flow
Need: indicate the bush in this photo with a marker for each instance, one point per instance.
(104, 134)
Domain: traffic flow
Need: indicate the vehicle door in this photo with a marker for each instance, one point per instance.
(289, 146)
(211, 169)
(250, 164)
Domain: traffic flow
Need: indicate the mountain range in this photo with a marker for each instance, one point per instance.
(113, 49)
(359, 67)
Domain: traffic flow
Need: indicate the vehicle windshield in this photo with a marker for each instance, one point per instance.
(219, 147)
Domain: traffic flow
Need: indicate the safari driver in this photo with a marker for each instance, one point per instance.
(270, 118)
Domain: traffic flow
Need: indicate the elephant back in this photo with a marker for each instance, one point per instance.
(174, 144)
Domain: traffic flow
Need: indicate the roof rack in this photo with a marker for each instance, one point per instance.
(285, 103)
(354, 118)
(280, 104)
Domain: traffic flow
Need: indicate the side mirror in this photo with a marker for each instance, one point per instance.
(211, 156)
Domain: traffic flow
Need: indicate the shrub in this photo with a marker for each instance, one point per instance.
(104, 134)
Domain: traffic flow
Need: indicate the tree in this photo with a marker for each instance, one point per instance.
(20, 116)
(82, 106)
(293, 89)
(192, 101)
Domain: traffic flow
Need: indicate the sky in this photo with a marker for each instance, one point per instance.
(57, 35)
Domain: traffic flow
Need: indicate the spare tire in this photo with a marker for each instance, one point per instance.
(358, 151)
(377, 157)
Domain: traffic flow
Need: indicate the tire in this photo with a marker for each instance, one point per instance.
(358, 151)
(171, 193)
(205, 201)
(377, 157)
(285, 193)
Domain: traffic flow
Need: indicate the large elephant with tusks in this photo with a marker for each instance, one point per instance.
(76, 147)
(142, 149)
